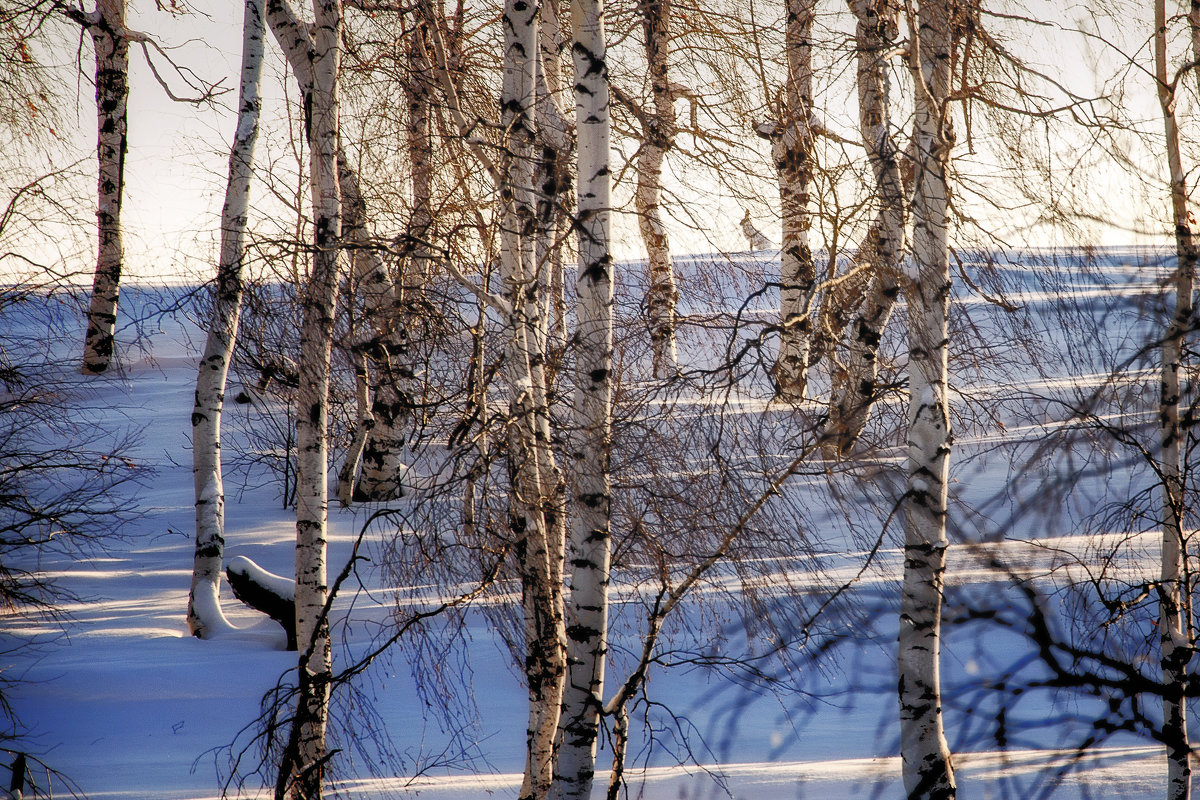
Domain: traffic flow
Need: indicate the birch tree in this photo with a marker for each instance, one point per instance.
(374, 467)
(590, 549)
(659, 128)
(315, 60)
(1174, 626)
(536, 492)
(792, 151)
(924, 752)
(554, 148)
(387, 346)
(204, 608)
(110, 40)
(854, 387)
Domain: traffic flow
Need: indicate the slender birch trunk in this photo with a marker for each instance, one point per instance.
(418, 142)
(112, 94)
(658, 136)
(1174, 627)
(854, 389)
(535, 507)
(204, 606)
(347, 477)
(552, 180)
(316, 339)
(792, 150)
(924, 752)
(590, 544)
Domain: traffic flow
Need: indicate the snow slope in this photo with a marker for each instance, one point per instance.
(126, 704)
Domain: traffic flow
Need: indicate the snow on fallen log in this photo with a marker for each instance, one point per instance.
(273, 595)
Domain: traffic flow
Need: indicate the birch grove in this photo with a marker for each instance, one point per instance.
(204, 609)
(519, 429)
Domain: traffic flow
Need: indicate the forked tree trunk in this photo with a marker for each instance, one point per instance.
(658, 136)
(535, 502)
(112, 94)
(590, 545)
(792, 151)
(204, 605)
(925, 755)
(1174, 624)
(854, 388)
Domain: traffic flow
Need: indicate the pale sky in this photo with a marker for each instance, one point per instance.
(175, 169)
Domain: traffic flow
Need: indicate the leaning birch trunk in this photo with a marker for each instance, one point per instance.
(535, 524)
(112, 93)
(316, 339)
(924, 753)
(1174, 627)
(385, 343)
(854, 389)
(590, 544)
(658, 136)
(204, 606)
(792, 150)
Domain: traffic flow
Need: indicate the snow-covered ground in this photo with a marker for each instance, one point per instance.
(124, 702)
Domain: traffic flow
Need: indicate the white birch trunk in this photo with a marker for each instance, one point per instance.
(112, 94)
(854, 389)
(316, 338)
(552, 180)
(658, 136)
(393, 386)
(1174, 627)
(590, 544)
(204, 606)
(791, 149)
(385, 343)
(535, 505)
(348, 475)
(924, 753)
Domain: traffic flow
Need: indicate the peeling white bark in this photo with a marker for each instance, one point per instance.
(205, 618)
(924, 752)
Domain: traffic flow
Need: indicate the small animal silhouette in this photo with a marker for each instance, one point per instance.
(756, 238)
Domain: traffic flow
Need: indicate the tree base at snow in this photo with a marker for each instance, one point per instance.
(265, 591)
